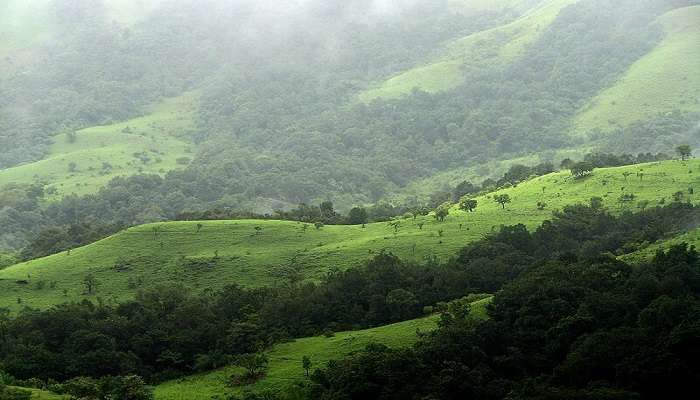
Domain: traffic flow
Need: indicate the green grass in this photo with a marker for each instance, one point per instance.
(692, 238)
(38, 394)
(285, 359)
(159, 135)
(666, 79)
(255, 258)
(490, 48)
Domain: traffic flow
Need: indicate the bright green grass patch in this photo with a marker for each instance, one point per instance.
(692, 238)
(486, 49)
(285, 366)
(225, 252)
(664, 80)
(149, 144)
(430, 78)
(38, 394)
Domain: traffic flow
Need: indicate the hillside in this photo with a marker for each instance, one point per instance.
(664, 80)
(691, 237)
(211, 254)
(285, 359)
(84, 161)
(458, 59)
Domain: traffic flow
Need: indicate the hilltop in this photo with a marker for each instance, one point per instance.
(211, 254)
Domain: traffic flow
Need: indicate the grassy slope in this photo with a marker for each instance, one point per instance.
(255, 258)
(44, 395)
(691, 237)
(285, 359)
(665, 79)
(155, 134)
(486, 49)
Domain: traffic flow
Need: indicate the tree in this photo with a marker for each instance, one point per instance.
(442, 211)
(567, 163)
(462, 189)
(90, 283)
(306, 364)
(684, 151)
(130, 387)
(581, 169)
(467, 204)
(357, 216)
(502, 199)
(327, 209)
(254, 364)
(402, 303)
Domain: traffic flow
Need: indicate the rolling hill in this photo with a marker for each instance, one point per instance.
(285, 358)
(664, 80)
(492, 48)
(211, 254)
(82, 162)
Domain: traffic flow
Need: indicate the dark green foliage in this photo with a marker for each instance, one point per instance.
(582, 169)
(467, 204)
(563, 329)
(502, 199)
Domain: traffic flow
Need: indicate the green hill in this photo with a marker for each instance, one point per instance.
(486, 49)
(664, 80)
(211, 254)
(285, 359)
(150, 144)
(691, 237)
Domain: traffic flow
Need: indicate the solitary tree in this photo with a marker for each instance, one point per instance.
(254, 364)
(442, 211)
(684, 151)
(90, 283)
(306, 364)
(467, 204)
(502, 199)
(357, 216)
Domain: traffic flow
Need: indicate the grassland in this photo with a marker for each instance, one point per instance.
(149, 144)
(664, 80)
(285, 359)
(211, 254)
(38, 394)
(692, 238)
(486, 49)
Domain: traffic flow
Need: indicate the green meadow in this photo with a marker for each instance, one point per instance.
(82, 162)
(485, 49)
(664, 80)
(285, 365)
(691, 237)
(211, 254)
